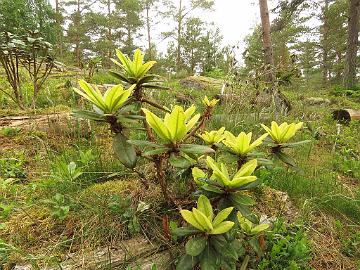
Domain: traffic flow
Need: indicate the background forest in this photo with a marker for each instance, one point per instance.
(309, 37)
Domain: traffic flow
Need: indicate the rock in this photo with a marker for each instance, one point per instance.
(274, 203)
(201, 83)
(317, 101)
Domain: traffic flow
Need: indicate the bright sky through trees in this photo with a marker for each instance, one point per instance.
(235, 19)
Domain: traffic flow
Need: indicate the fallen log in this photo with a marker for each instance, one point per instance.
(346, 115)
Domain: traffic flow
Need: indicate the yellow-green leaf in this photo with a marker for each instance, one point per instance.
(222, 215)
(259, 228)
(202, 219)
(204, 206)
(191, 123)
(241, 181)
(197, 173)
(223, 227)
(157, 125)
(189, 218)
(247, 169)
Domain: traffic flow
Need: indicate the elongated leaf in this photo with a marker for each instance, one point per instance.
(196, 149)
(145, 68)
(148, 78)
(187, 262)
(243, 180)
(195, 246)
(157, 125)
(243, 199)
(179, 161)
(89, 115)
(119, 76)
(112, 93)
(246, 169)
(93, 94)
(204, 206)
(175, 122)
(245, 263)
(124, 151)
(295, 144)
(211, 189)
(222, 215)
(198, 173)
(126, 63)
(144, 143)
(254, 243)
(222, 246)
(264, 162)
(191, 123)
(246, 212)
(185, 231)
(208, 259)
(250, 185)
(156, 151)
(259, 228)
(286, 159)
(189, 218)
(120, 99)
(137, 61)
(223, 227)
(202, 219)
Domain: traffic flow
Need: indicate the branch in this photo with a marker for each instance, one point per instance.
(45, 76)
(152, 103)
(203, 118)
(10, 96)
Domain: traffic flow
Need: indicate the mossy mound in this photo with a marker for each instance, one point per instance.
(133, 188)
(91, 222)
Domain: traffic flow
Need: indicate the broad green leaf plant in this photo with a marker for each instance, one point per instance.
(213, 137)
(135, 71)
(280, 136)
(202, 217)
(282, 133)
(208, 246)
(175, 125)
(241, 145)
(222, 226)
(110, 102)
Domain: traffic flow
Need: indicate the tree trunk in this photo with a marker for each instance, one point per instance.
(268, 50)
(129, 40)
(325, 37)
(338, 72)
(280, 101)
(108, 62)
(148, 26)
(352, 43)
(77, 38)
(178, 51)
(58, 22)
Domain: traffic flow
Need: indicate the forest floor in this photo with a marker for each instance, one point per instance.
(49, 214)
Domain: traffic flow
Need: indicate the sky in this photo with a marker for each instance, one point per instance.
(235, 18)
